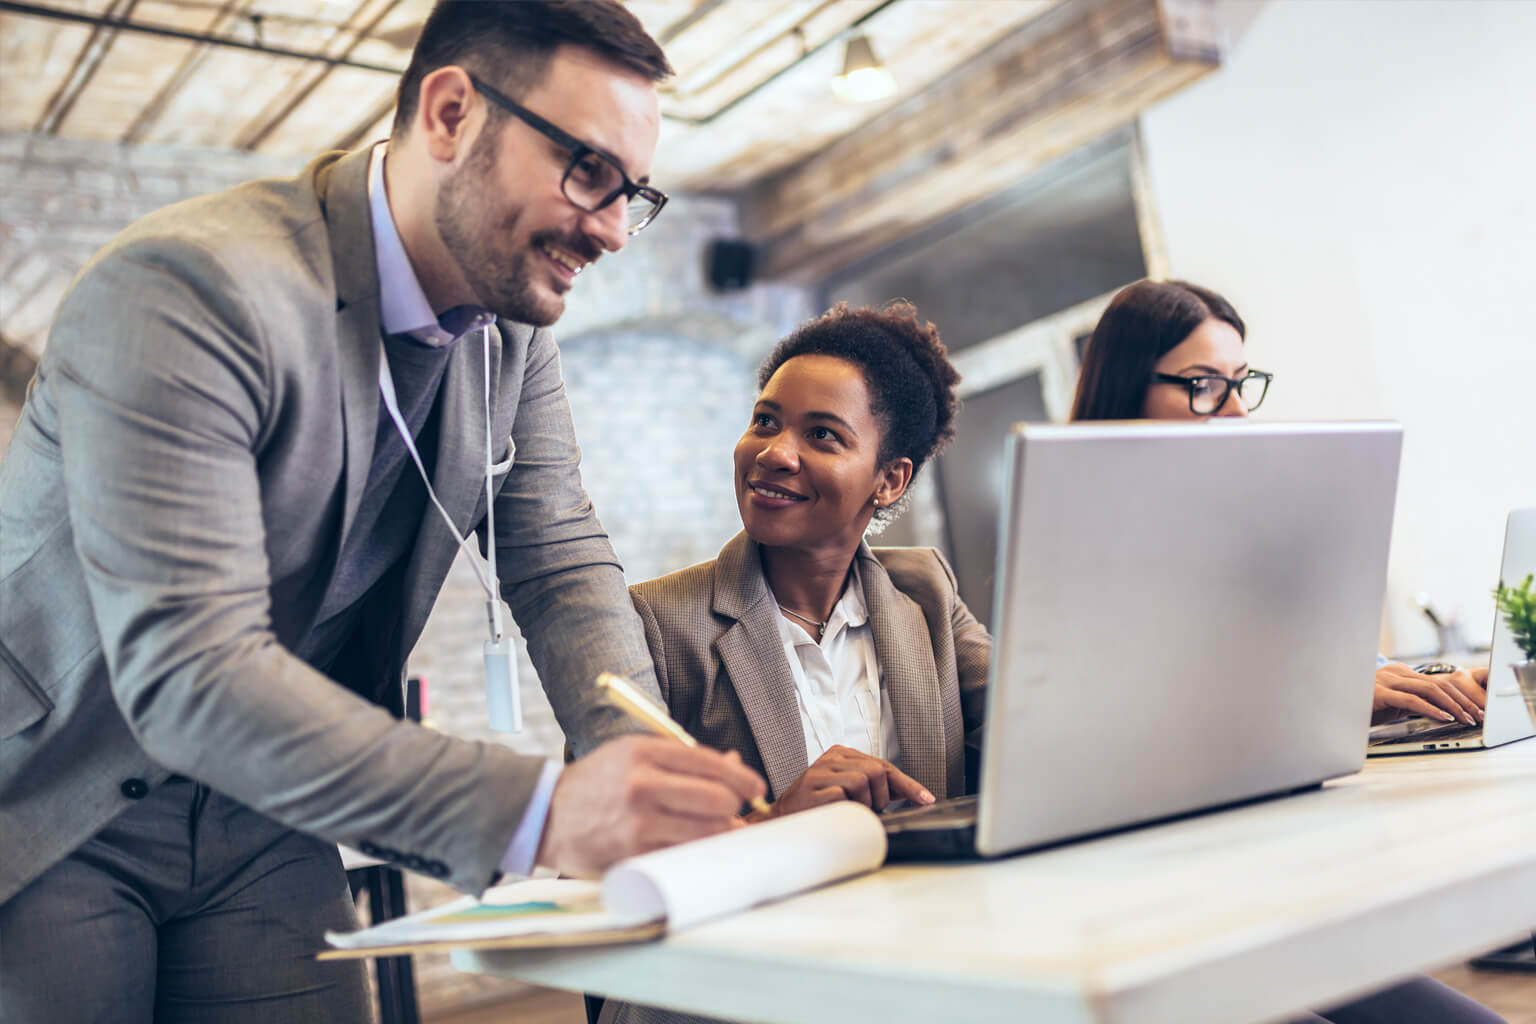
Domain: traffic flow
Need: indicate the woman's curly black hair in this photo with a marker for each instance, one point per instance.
(906, 369)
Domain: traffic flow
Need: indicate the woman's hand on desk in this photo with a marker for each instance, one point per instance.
(1458, 696)
(843, 773)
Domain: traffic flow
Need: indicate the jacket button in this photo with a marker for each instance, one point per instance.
(135, 789)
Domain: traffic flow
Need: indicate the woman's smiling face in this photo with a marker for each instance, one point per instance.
(807, 468)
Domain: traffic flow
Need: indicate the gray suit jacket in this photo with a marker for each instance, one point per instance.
(721, 666)
(192, 452)
(720, 663)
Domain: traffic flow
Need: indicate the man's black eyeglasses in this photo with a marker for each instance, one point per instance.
(1208, 392)
(592, 179)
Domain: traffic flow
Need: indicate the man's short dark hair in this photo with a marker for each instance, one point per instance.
(510, 42)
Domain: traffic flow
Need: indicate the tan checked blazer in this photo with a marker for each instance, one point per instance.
(721, 665)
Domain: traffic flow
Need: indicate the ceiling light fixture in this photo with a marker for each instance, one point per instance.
(863, 78)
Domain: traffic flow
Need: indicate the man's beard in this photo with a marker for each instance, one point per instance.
(498, 275)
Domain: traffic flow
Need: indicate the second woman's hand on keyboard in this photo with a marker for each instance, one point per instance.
(1456, 696)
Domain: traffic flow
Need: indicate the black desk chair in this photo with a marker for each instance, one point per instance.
(386, 901)
(1519, 957)
(397, 980)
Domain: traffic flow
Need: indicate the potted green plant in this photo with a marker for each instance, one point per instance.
(1518, 606)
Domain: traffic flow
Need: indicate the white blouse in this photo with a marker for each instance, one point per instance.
(838, 682)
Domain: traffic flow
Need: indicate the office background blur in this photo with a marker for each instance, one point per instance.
(1355, 176)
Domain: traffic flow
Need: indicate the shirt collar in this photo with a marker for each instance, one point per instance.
(851, 605)
(403, 306)
(850, 612)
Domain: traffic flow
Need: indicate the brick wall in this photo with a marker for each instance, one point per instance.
(63, 198)
(658, 369)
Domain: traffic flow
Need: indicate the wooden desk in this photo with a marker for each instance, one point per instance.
(1245, 915)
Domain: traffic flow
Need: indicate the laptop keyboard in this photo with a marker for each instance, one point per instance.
(1415, 730)
(956, 811)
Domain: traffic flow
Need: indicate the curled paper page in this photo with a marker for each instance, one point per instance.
(642, 896)
(712, 877)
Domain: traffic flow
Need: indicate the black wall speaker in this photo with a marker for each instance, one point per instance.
(728, 262)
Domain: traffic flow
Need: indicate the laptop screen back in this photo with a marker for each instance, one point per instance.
(1185, 616)
(1507, 718)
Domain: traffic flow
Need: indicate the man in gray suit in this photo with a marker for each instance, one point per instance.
(216, 551)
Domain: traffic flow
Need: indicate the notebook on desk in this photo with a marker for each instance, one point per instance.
(1185, 617)
(1504, 718)
(643, 897)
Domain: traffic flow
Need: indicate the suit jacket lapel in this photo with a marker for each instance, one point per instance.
(457, 473)
(342, 188)
(910, 675)
(753, 657)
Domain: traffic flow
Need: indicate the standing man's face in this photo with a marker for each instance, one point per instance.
(518, 241)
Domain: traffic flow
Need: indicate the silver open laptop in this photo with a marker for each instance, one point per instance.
(1185, 617)
(1505, 718)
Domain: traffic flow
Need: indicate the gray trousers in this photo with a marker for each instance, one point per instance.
(187, 907)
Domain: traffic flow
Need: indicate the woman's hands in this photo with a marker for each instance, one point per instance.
(1458, 696)
(846, 774)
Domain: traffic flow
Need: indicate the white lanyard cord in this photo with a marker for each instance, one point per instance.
(493, 600)
(392, 404)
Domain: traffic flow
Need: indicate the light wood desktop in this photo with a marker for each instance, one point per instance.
(1244, 915)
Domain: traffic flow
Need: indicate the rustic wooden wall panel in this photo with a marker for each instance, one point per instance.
(987, 91)
(727, 55)
(1033, 71)
(798, 115)
(1058, 83)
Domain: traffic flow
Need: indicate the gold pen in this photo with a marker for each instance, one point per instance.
(630, 700)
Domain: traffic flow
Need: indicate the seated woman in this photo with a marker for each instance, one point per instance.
(837, 670)
(1168, 350)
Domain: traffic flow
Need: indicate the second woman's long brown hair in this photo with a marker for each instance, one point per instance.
(1140, 324)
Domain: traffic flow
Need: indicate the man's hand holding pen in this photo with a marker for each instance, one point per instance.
(641, 793)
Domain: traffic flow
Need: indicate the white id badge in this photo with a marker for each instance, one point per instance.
(502, 701)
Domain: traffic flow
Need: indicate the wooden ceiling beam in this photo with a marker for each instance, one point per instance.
(304, 85)
(84, 69)
(1082, 69)
(183, 75)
